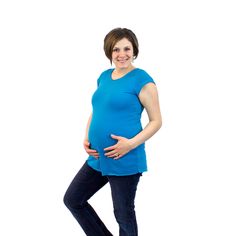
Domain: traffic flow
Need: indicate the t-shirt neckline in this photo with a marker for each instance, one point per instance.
(122, 76)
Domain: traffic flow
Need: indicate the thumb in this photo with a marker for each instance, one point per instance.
(114, 136)
(87, 142)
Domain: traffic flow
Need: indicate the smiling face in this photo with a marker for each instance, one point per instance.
(122, 54)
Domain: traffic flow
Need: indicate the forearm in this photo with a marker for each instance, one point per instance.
(87, 127)
(151, 128)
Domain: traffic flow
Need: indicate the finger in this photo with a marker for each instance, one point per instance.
(92, 153)
(114, 155)
(86, 143)
(115, 136)
(87, 146)
(109, 148)
(110, 154)
(118, 157)
(91, 150)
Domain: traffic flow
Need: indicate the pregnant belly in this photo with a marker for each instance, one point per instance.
(100, 133)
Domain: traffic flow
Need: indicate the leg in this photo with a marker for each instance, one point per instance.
(123, 190)
(84, 185)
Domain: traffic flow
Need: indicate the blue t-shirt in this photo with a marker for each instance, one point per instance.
(117, 110)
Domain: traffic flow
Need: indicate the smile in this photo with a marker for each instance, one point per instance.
(122, 60)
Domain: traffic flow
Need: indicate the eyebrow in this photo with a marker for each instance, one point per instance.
(124, 46)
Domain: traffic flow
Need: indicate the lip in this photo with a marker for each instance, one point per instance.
(122, 60)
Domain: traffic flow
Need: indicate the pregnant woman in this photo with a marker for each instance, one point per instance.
(114, 139)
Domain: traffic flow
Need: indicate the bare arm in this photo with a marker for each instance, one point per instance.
(87, 148)
(87, 126)
(149, 99)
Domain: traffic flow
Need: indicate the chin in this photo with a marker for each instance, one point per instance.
(124, 66)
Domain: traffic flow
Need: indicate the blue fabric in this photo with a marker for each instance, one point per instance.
(117, 110)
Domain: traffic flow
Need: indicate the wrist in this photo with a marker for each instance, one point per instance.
(133, 143)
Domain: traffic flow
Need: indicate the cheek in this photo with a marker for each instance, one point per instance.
(131, 53)
(114, 54)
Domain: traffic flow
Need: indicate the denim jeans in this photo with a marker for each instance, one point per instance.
(123, 188)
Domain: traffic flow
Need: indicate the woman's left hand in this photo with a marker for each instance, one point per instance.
(118, 150)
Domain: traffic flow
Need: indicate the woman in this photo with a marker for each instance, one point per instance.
(115, 139)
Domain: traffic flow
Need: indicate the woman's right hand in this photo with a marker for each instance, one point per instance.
(91, 152)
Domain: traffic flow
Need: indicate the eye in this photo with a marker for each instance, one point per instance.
(127, 49)
(115, 50)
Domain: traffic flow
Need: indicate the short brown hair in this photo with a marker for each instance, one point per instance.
(116, 35)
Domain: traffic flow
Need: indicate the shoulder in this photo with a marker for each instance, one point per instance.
(141, 79)
(142, 76)
(104, 74)
(142, 72)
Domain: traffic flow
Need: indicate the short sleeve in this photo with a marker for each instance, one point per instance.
(142, 79)
(103, 74)
(99, 79)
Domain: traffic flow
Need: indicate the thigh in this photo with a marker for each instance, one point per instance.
(123, 190)
(84, 185)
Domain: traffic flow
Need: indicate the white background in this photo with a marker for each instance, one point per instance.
(51, 53)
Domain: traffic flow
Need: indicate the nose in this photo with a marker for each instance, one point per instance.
(121, 53)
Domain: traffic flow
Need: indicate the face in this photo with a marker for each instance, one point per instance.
(122, 54)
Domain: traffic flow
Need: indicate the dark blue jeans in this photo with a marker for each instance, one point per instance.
(85, 184)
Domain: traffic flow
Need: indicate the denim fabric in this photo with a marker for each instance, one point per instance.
(85, 184)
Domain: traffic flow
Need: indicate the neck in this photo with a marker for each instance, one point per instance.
(124, 70)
